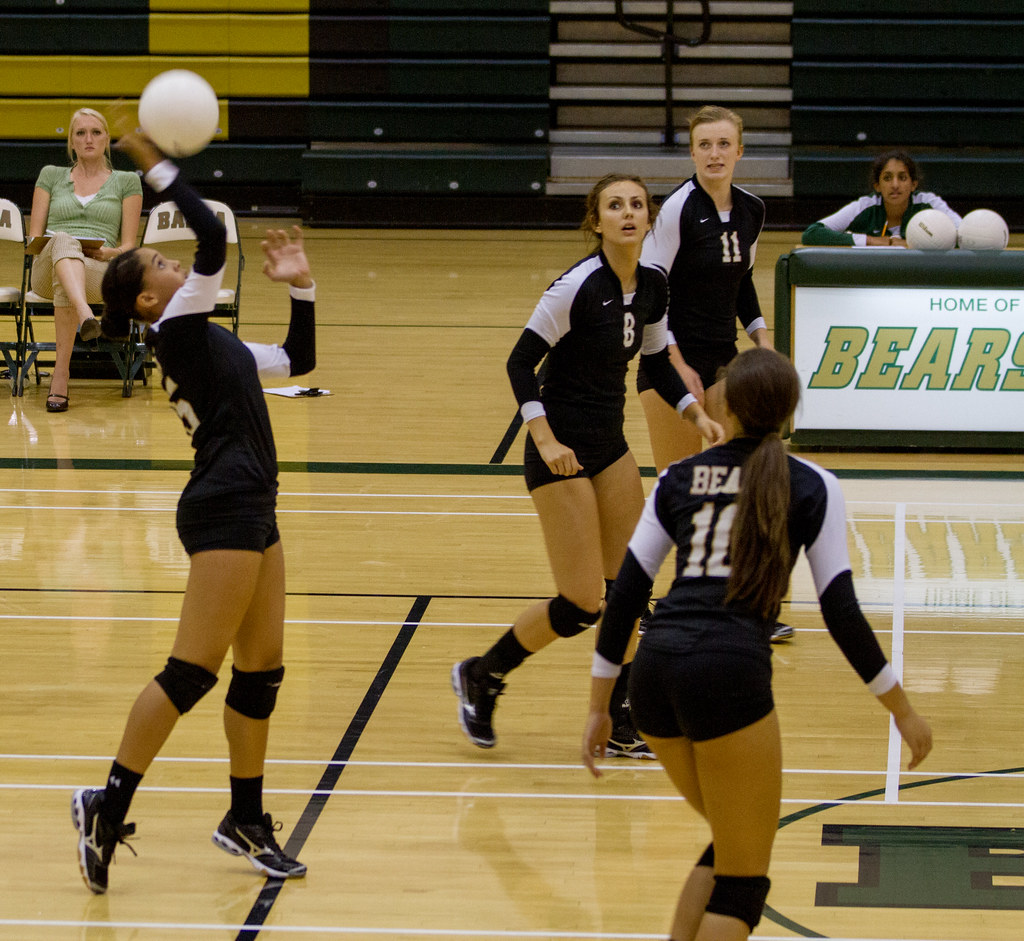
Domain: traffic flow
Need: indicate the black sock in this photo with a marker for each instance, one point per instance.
(118, 794)
(247, 799)
(620, 692)
(503, 657)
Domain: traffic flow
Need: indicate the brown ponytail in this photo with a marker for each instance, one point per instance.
(762, 390)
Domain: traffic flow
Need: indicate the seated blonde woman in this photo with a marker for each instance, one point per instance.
(89, 200)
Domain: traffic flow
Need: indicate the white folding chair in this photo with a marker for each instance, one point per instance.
(12, 229)
(166, 224)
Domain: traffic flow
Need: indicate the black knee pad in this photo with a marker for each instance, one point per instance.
(741, 897)
(254, 694)
(185, 683)
(707, 858)
(568, 620)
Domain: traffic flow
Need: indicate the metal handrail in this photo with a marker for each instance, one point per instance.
(669, 41)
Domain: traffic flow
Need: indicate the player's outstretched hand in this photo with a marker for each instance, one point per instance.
(286, 258)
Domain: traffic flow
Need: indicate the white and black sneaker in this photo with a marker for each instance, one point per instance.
(476, 702)
(97, 839)
(625, 740)
(781, 633)
(255, 841)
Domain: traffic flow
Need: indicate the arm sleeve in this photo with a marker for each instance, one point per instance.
(626, 602)
(648, 548)
(211, 235)
(298, 354)
(850, 630)
(747, 305)
(522, 364)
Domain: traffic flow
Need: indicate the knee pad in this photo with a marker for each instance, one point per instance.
(568, 620)
(707, 858)
(254, 694)
(741, 897)
(185, 683)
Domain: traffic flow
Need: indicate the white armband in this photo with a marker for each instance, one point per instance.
(757, 324)
(161, 175)
(685, 402)
(532, 410)
(303, 294)
(604, 669)
(884, 680)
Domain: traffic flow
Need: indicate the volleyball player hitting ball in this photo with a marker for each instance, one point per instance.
(235, 594)
(700, 683)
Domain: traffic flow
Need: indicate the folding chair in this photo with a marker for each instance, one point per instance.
(167, 224)
(12, 229)
(129, 356)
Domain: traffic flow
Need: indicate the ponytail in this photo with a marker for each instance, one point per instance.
(759, 543)
(762, 390)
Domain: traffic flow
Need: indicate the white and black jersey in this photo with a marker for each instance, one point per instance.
(211, 376)
(590, 331)
(708, 258)
(692, 508)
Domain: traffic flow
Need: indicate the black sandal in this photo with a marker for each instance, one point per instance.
(55, 406)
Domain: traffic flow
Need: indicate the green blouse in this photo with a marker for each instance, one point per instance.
(100, 217)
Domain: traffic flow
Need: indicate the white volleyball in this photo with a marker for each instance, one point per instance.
(931, 230)
(178, 110)
(983, 230)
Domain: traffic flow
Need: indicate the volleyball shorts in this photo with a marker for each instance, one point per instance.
(594, 456)
(697, 694)
(248, 524)
(707, 359)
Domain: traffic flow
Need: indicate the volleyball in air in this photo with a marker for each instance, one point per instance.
(983, 230)
(931, 230)
(178, 110)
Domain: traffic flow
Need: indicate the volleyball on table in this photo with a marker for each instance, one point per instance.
(931, 229)
(983, 230)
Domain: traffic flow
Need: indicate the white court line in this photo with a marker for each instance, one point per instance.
(280, 510)
(527, 796)
(899, 547)
(340, 622)
(497, 765)
(392, 932)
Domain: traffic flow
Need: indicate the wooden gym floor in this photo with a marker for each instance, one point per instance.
(409, 549)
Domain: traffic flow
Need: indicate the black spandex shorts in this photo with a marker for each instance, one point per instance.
(230, 523)
(707, 359)
(594, 458)
(700, 694)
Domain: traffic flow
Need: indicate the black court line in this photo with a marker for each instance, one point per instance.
(460, 470)
(502, 449)
(329, 779)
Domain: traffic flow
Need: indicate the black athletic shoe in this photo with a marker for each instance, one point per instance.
(255, 841)
(781, 633)
(97, 839)
(476, 703)
(625, 740)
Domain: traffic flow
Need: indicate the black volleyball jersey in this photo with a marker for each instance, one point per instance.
(590, 332)
(692, 508)
(211, 376)
(709, 263)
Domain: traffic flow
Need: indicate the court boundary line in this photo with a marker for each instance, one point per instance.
(450, 470)
(261, 908)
